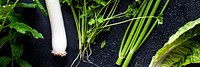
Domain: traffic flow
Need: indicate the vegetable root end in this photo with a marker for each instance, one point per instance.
(59, 53)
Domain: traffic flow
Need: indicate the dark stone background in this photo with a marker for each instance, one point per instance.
(38, 52)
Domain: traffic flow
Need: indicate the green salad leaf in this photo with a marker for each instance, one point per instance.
(17, 50)
(181, 48)
(23, 63)
(23, 28)
(4, 61)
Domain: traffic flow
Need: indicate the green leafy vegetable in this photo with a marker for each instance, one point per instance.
(2, 2)
(23, 63)
(4, 61)
(41, 7)
(4, 10)
(17, 50)
(100, 19)
(181, 49)
(5, 39)
(23, 28)
(13, 24)
(91, 22)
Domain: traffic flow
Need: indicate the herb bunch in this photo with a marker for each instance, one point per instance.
(12, 27)
(91, 18)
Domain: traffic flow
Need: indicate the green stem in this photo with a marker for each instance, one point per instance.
(8, 1)
(135, 37)
(105, 7)
(128, 59)
(111, 13)
(77, 26)
(155, 23)
(123, 49)
(12, 59)
(125, 21)
(4, 21)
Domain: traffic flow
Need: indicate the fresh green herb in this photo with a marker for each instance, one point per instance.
(181, 49)
(91, 18)
(138, 34)
(12, 24)
(41, 7)
(4, 61)
(26, 5)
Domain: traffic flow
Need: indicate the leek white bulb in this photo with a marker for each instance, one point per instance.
(59, 39)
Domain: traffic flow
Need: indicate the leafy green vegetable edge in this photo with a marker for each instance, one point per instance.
(188, 31)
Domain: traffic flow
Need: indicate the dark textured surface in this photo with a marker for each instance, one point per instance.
(38, 52)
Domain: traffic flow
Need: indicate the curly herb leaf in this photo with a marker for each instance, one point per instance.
(100, 19)
(91, 22)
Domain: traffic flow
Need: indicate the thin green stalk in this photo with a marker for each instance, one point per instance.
(129, 57)
(77, 23)
(8, 1)
(105, 7)
(12, 61)
(155, 23)
(125, 46)
(121, 22)
(130, 24)
(85, 20)
(111, 13)
(137, 33)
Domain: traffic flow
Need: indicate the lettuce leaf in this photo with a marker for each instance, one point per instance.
(181, 48)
